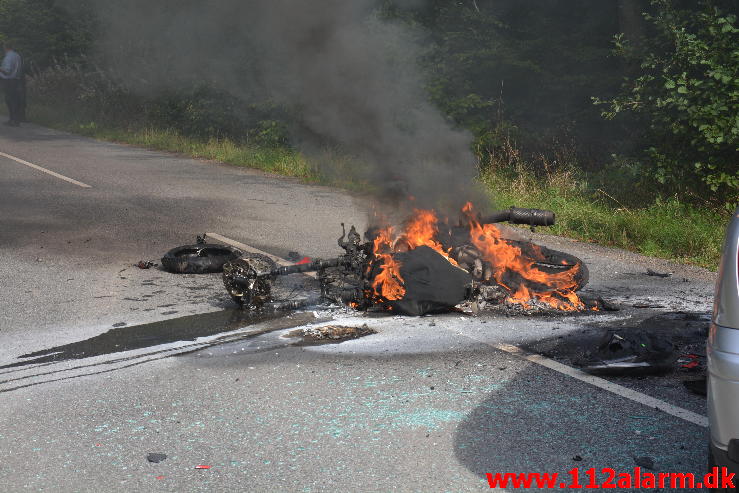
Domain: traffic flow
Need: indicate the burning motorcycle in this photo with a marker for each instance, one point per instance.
(429, 266)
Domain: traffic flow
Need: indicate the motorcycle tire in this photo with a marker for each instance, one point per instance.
(198, 259)
(553, 261)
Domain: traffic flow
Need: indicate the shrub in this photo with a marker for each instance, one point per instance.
(687, 89)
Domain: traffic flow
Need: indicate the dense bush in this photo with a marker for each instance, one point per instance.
(91, 95)
(204, 112)
(200, 112)
(527, 68)
(687, 90)
(45, 30)
(83, 91)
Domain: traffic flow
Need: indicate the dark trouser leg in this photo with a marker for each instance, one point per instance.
(8, 96)
(22, 99)
(12, 99)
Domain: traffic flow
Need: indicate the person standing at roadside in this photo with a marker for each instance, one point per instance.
(11, 73)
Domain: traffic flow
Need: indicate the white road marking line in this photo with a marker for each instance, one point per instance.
(614, 388)
(44, 170)
(246, 248)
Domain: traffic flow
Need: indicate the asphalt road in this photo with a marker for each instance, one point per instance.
(425, 404)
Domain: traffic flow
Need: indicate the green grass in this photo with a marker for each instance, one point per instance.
(667, 229)
(335, 168)
(277, 160)
(271, 159)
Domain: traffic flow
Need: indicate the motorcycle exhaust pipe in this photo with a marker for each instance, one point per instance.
(518, 215)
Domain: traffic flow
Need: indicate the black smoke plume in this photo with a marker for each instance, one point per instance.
(350, 75)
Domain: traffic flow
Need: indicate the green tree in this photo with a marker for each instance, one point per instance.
(687, 91)
(498, 64)
(45, 30)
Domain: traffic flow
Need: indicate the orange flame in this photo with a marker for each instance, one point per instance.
(388, 284)
(554, 289)
(422, 229)
(558, 289)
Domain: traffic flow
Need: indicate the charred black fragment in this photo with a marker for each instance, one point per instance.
(431, 282)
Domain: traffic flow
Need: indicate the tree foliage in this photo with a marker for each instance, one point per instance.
(529, 67)
(687, 90)
(47, 30)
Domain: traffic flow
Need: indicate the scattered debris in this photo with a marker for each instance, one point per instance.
(697, 386)
(647, 462)
(631, 354)
(156, 457)
(298, 259)
(691, 362)
(654, 273)
(606, 306)
(146, 264)
(334, 332)
(647, 305)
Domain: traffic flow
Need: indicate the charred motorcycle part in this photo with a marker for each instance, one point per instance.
(347, 279)
(248, 279)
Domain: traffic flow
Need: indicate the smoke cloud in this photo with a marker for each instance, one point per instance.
(350, 75)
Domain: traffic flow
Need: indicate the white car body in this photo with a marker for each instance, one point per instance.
(723, 357)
